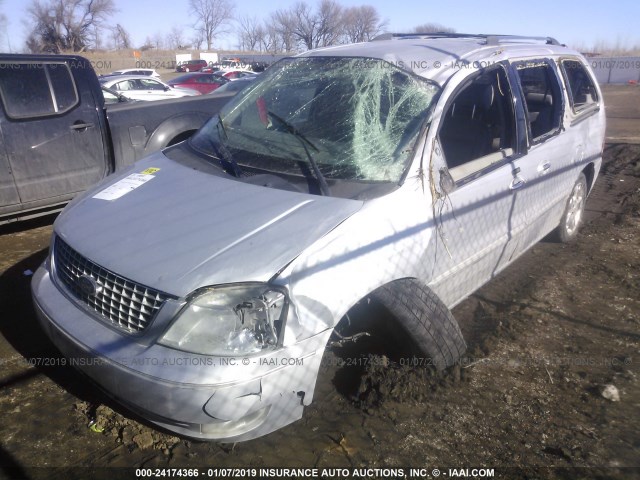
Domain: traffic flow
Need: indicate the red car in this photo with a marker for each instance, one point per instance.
(192, 66)
(202, 82)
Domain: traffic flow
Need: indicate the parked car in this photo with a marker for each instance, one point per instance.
(60, 132)
(201, 82)
(233, 87)
(111, 96)
(149, 72)
(236, 73)
(191, 66)
(338, 177)
(258, 67)
(145, 88)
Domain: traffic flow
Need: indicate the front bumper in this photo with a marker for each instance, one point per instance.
(212, 398)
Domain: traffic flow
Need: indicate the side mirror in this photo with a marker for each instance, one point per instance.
(447, 184)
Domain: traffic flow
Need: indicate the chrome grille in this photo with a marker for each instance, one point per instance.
(124, 303)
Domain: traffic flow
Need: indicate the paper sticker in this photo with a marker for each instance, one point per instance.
(150, 171)
(123, 186)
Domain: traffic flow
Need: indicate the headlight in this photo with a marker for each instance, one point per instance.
(230, 320)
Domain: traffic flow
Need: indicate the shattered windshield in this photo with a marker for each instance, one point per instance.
(331, 118)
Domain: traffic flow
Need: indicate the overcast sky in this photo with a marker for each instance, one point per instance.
(583, 22)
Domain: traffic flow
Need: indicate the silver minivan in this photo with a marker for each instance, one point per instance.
(200, 287)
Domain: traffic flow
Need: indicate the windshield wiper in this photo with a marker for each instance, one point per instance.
(322, 182)
(225, 157)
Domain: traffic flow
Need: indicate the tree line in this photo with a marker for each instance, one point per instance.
(79, 25)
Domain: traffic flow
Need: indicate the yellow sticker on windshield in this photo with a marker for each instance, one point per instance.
(149, 171)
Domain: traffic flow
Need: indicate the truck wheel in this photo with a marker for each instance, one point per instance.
(567, 230)
(426, 322)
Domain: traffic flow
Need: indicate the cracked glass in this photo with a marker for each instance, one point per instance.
(357, 119)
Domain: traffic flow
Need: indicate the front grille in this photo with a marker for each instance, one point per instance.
(121, 301)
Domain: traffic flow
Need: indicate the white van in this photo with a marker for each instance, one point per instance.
(200, 287)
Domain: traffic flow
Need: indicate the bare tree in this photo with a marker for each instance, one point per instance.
(121, 38)
(158, 41)
(59, 25)
(175, 38)
(305, 27)
(361, 24)
(302, 26)
(271, 40)
(212, 17)
(250, 33)
(329, 23)
(197, 40)
(281, 30)
(147, 45)
(433, 28)
(305, 24)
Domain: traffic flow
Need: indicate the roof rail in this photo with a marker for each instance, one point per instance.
(497, 39)
(488, 38)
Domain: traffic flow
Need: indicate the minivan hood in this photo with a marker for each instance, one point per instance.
(187, 228)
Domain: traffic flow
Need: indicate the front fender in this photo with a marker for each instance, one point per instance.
(174, 127)
(383, 242)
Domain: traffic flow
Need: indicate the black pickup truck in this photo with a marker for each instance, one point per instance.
(58, 136)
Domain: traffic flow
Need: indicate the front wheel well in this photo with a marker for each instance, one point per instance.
(407, 317)
(180, 137)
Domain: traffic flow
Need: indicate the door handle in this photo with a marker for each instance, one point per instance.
(544, 168)
(80, 126)
(517, 182)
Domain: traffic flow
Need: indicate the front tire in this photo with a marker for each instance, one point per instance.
(429, 326)
(573, 214)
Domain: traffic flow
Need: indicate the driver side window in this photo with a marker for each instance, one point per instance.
(478, 127)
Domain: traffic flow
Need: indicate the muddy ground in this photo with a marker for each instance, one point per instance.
(549, 388)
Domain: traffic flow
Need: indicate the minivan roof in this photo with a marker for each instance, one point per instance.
(438, 56)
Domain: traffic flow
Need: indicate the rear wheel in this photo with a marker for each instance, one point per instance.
(573, 214)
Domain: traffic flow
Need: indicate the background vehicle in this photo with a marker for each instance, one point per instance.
(233, 87)
(150, 72)
(236, 73)
(50, 151)
(201, 82)
(191, 66)
(145, 88)
(111, 96)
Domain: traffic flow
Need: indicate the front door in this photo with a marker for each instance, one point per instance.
(478, 142)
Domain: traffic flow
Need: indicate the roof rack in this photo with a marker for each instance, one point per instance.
(489, 39)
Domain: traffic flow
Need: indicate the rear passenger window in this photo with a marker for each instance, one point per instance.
(542, 96)
(35, 89)
(582, 91)
(478, 128)
(63, 88)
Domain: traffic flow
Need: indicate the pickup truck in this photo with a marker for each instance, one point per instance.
(58, 136)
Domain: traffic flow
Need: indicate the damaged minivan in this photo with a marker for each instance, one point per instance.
(200, 287)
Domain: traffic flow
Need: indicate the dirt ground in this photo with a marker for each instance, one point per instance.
(549, 388)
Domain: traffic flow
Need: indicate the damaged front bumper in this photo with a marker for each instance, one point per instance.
(197, 396)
